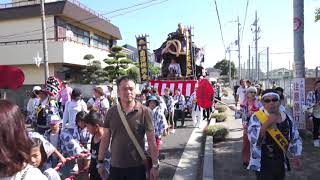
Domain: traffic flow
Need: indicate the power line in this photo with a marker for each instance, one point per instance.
(138, 9)
(245, 18)
(70, 21)
(224, 46)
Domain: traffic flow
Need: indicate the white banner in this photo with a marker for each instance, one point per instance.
(299, 102)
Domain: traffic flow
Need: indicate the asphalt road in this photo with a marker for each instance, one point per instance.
(172, 148)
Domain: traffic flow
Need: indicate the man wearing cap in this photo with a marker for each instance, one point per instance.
(53, 136)
(158, 118)
(269, 147)
(195, 109)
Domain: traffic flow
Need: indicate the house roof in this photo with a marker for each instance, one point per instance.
(63, 8)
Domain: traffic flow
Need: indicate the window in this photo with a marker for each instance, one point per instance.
(100, 42)
(279, 73)
(66, 30)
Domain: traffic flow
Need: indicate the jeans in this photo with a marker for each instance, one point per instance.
(131, 173)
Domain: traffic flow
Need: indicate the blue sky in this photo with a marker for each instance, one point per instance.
(275, 19)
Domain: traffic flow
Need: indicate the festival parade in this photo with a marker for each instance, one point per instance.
(159, 90)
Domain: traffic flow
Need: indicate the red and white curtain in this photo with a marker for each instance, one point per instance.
(186, 86)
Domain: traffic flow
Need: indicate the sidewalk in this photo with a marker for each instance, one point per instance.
(228, 162)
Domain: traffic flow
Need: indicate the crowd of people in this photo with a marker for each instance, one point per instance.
(66, 125)
(269, 134)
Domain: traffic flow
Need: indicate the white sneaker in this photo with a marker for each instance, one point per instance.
(316, 143)
(173, 131)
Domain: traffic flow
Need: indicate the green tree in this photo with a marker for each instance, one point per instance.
(93, 73)
(154, 70)
(117, 63)
(223, 65)
(134, 73)
(317, 15)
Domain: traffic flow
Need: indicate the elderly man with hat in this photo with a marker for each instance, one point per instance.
(158, 118)
(272, 137)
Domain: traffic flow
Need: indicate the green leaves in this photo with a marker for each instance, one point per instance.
(88, 57)
(223, 65)
(317, 15)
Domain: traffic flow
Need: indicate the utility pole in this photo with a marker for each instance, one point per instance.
(239, 48)
(249, 64)
(256, 31)
(268, 67)
(298, 34)
(44, 40)
(230, 74)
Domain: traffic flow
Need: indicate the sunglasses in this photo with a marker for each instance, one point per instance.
(252, 92)
(269, 100)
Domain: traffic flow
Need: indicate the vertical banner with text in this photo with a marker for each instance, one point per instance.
(298, 103)
(143, 57)
(188, 53)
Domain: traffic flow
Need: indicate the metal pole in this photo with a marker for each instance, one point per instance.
(256, 43)
(239, 48)
(268, 67)
(230, 72)
(298, 34)
(44, 40)
(259, 66)
(249, 65)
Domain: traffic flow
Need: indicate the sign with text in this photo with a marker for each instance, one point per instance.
(299, 102)
(143, 57)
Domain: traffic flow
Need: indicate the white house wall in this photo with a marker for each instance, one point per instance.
(20, 54)
(74, 52)
(34, 75)
(25, 29)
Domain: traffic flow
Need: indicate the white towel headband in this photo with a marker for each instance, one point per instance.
(271, 94)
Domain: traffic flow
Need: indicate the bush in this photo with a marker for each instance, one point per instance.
(221, 108)
(218, 132)
(220, 117)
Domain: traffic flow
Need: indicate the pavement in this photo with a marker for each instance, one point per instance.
(182, 151)
(227, 161)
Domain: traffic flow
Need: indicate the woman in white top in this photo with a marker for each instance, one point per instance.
(15, 146)
(72, 108)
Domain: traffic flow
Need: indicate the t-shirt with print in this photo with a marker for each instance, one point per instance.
(124, 153)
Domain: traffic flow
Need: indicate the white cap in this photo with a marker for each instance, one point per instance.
(36, 88)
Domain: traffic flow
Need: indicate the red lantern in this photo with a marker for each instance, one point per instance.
(11, 77)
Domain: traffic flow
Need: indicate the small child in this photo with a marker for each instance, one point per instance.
(38, 157)
(94, 123)
(85, 141)
(53, 136)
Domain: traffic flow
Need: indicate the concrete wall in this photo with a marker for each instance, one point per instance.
(35, 75)
(22, 54)
(19, 27)
(73, 53)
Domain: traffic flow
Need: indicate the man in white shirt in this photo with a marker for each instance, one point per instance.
(195, 109)
(241, 93)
